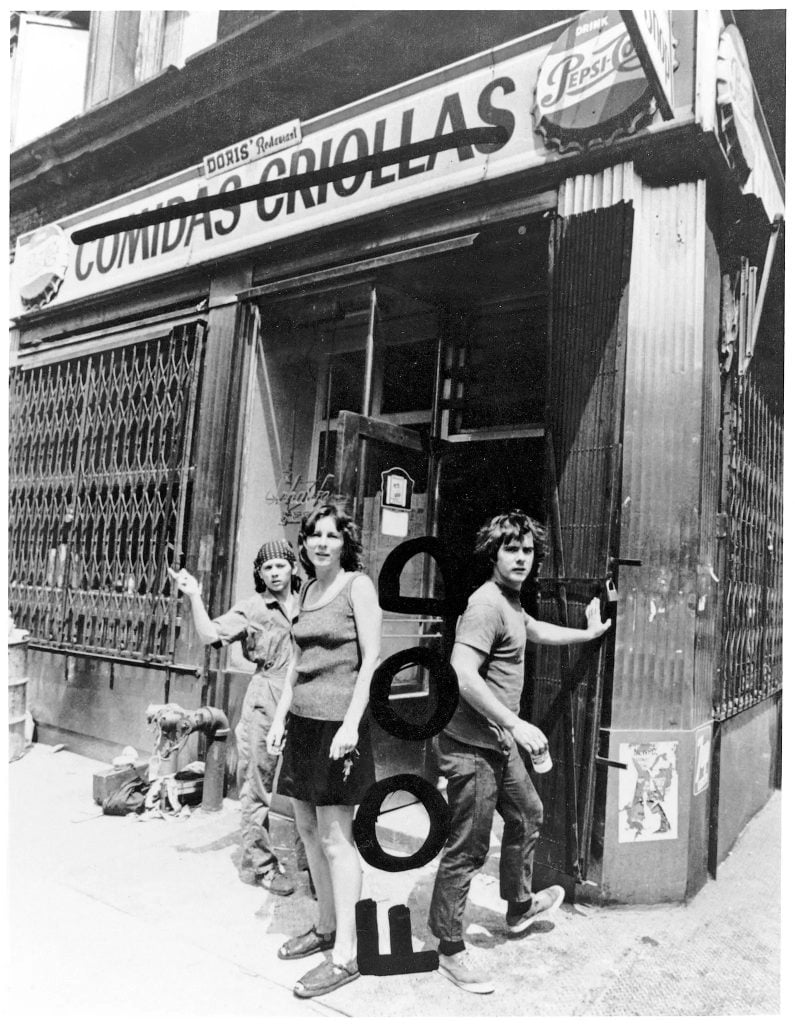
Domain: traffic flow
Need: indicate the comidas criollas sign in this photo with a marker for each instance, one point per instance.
(591, 87)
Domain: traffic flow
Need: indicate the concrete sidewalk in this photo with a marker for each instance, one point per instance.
(118, 915)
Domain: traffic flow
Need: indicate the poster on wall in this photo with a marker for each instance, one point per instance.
(648, 792)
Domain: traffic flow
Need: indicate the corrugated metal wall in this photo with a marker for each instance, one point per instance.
(595, 191)
(655, 643)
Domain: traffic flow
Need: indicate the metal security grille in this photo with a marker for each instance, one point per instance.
(99, 494)
(753, 609)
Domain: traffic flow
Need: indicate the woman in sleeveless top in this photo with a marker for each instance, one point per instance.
(321, 727)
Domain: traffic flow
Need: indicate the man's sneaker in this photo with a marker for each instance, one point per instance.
(544, 902)
(459, 969)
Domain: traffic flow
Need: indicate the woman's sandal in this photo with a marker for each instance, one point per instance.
(310, 942)
(325, 978)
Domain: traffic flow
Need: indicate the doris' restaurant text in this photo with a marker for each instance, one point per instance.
(113, 252)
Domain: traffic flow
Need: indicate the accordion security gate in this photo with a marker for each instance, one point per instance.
(99, 481)
(752, 606)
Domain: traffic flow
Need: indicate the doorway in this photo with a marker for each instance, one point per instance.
(448, 341)
(487, 372)
(433, 364)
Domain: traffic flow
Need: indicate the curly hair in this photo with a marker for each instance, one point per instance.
(508, 527)
(351, 557)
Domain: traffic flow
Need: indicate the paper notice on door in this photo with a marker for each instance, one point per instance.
(394, 523)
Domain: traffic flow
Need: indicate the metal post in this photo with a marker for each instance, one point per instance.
(214, 768)
(775, 233)
(367, 401)
(369, 362)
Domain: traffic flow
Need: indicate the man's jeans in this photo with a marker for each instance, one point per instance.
(478, 781)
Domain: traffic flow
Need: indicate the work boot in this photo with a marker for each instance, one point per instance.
(543, 903)
(459, 969)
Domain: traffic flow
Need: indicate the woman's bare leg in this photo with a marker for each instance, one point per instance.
(335, 829)
(306, 820)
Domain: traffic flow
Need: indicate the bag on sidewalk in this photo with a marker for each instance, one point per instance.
(129, 798)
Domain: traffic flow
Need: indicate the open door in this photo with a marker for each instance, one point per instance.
(379, 467)
(570, 697)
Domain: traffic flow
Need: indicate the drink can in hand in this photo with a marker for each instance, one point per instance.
(541, 762)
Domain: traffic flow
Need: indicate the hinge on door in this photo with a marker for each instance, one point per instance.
(722, 525)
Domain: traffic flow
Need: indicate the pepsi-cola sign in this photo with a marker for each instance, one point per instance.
(591, 88)
(41, 265)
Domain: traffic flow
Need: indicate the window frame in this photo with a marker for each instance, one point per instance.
(128, 48)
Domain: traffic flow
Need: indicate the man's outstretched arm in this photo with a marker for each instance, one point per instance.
(557, 636)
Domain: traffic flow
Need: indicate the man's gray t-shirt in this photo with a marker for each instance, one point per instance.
(494, 623)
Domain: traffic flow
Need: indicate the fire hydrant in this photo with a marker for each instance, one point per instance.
(175, 725)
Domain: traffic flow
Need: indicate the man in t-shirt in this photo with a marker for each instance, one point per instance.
(263, 624)
(477, 750)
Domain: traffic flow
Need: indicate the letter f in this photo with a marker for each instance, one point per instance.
(402, 959)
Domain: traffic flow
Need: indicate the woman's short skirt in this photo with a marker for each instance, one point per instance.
(308, 773)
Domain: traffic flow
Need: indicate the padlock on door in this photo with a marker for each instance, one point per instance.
(609, 600)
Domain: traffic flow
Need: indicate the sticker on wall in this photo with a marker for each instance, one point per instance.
(648, 792)
(703, 748)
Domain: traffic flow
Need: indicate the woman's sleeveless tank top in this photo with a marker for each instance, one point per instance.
(328, 659)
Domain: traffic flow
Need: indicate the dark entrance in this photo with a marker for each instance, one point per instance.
(480, 479)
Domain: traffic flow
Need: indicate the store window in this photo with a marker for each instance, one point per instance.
(128, 47)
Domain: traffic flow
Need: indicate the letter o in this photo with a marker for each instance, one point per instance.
(364, 823)
(442, 676)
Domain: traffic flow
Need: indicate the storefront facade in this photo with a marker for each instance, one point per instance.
(558, 320)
